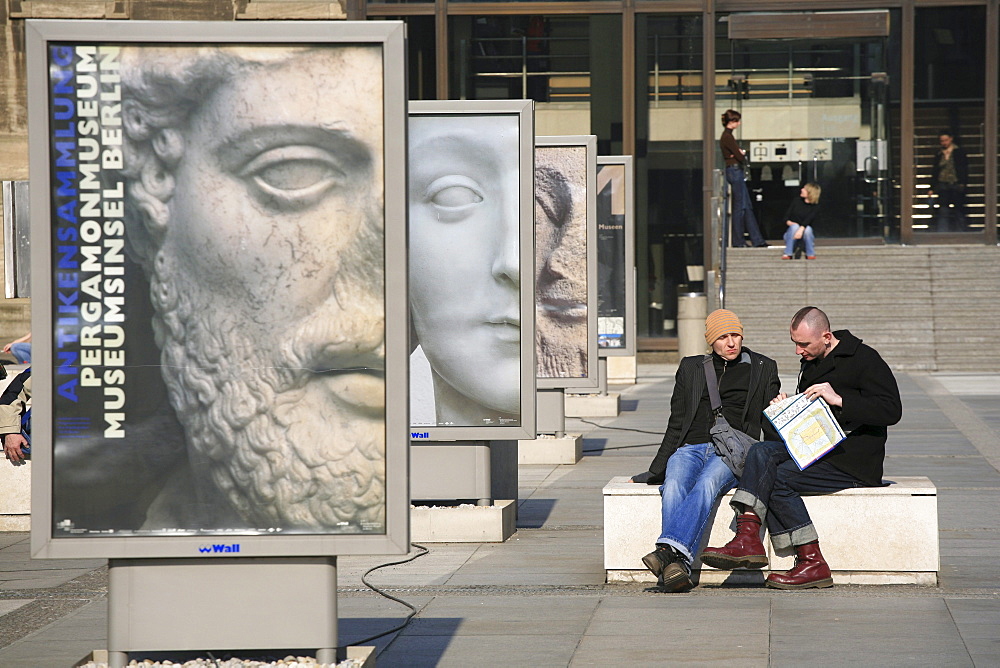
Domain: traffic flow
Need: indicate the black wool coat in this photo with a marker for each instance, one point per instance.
(871, 404)
(690, 389)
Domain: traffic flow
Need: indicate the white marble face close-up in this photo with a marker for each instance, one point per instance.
(465, 270)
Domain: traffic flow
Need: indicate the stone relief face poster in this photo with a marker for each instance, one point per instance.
(561, 261)
(465, 287)
(218, 302)
(611, 256)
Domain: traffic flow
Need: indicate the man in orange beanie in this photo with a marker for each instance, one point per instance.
(687, 467)
(864, 398)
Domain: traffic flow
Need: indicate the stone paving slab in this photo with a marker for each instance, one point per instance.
(462, 651)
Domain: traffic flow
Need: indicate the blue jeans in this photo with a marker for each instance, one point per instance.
(21, 352)
(742, 212)
(772, 486)
(694, 479)
(807, 237)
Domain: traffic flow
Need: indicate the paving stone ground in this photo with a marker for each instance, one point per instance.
(540, 598)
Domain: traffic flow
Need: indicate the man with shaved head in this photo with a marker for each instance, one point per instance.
(862, 393)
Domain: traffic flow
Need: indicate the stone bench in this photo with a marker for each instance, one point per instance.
(870, 535)
(15, 496)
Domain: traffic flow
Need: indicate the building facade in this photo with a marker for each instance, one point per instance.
(850, 94)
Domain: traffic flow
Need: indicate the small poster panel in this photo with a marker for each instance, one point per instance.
(615, 257)
(218, 249)
(471, 203)
(566, 261)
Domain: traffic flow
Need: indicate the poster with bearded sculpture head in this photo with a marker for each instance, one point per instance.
(222, 252)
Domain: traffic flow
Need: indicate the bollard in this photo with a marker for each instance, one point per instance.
(691, 312)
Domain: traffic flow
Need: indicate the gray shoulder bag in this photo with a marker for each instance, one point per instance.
(730, 444)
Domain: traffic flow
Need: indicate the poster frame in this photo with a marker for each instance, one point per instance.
(390, 36)
(629, 349)
(590, 380)
(524, 110)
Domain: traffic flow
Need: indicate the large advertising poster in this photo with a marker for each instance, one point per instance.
(471, 308)
(565, 262)
(219, 232)
(616, 257)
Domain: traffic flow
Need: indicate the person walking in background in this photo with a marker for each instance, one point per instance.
(743, 219)
(951, 173)
(799, 218)
(20, 349)
(687, 467)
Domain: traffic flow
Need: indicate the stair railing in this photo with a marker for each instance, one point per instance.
(720, 230)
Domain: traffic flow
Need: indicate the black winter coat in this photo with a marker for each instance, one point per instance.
(871, 404)
(690, 389)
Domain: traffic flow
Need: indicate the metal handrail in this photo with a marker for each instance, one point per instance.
(720, 225)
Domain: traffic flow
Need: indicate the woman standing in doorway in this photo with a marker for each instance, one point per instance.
(743, 219)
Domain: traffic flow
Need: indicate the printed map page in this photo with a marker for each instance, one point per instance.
(807, 427)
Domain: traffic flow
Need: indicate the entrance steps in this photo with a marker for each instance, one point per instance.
(931, 308)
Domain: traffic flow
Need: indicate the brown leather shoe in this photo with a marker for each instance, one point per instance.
(744, 551)
(659, 559)
(810, 570)
(675, 578)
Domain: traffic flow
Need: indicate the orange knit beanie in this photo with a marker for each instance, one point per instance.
(721, 322)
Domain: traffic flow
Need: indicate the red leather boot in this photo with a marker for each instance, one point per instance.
(744, 550)
(810, 570)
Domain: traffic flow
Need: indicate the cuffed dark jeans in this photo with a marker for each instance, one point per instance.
(772, 485)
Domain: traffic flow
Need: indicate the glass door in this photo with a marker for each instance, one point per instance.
(814, 111)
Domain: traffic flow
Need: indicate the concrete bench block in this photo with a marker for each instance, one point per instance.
(870, 535)
(463, 524)
(593, 405)
(15, 497)
(565, 449)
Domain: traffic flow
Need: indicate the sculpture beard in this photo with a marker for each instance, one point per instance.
(280, 446)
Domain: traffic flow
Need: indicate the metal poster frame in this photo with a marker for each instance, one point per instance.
(591, 379)
(629, 348)
(392, 536)
(523, 111)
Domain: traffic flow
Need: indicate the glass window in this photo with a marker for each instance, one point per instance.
(668, 165)
(420, 55)
(814, 111)
(547, 59)
(949, 112)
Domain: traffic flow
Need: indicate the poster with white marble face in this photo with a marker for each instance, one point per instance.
(561, 270)
(465, 270)
(220, 332)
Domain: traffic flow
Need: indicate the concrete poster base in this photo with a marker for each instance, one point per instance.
(463, 524)
(364, 654)
(593, 405)
(565, 449)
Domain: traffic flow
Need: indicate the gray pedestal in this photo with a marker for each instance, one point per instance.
(479, 471)
(222, 604)
(551, 412)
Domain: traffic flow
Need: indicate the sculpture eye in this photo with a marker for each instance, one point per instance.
(293, 177)
(454, 197)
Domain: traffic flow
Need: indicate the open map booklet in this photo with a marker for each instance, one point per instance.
(807, 427)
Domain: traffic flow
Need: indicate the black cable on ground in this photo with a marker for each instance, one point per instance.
(413, 610)
(602, 426)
